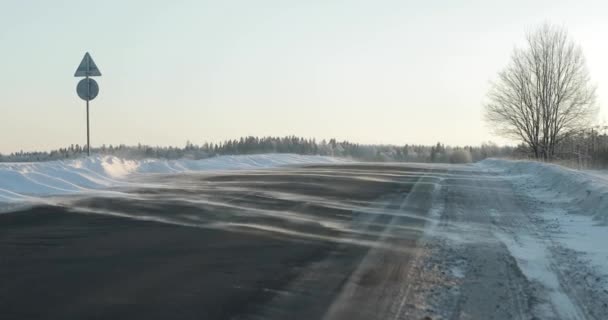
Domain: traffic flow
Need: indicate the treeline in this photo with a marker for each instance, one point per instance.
(587, 149)
(291, 144)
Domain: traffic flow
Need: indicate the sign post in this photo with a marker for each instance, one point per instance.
(87, 88)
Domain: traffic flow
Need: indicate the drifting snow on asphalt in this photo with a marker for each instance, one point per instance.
(496, 240)
(29, 181)
(210, 245)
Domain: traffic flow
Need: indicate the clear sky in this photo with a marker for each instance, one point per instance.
(367, 71)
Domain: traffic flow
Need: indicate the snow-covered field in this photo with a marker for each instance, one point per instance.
(29, 181)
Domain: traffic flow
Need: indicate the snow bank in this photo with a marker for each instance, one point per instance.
(583, 192)
(27, 181)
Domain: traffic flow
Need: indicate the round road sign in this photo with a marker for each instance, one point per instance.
(87, 89)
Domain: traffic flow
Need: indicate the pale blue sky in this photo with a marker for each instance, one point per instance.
(367, 71)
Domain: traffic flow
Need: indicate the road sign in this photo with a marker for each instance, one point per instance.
(87, 67)
(87, 89)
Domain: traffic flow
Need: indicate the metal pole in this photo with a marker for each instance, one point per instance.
(88, 136)
(88, 139)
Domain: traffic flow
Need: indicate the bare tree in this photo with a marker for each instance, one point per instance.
(544, 95)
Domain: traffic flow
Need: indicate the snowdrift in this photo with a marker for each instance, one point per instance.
(583, 192)
(27, 181)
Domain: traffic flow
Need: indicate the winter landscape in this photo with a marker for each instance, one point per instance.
(324, 236)
(116, 217)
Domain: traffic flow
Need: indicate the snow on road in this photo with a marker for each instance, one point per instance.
(573, 204)
(29, 181)
(514, 240)
(560, 240)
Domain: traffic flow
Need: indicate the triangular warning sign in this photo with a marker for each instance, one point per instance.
(87, 67)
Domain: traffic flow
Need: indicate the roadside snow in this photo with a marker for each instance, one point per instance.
(580, 192)
(27, 181)
(574, 204)
(570, 216)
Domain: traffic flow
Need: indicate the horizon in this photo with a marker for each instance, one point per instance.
(223, 142)
(390, 73)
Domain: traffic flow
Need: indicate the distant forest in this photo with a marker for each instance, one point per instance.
(588, 149)
(439, 153)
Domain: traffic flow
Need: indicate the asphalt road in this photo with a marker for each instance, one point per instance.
(357, 241)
